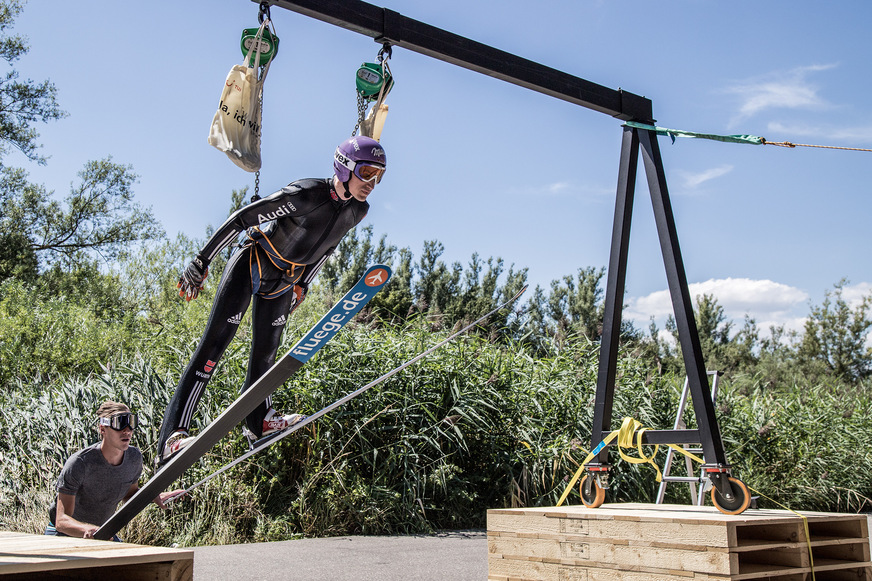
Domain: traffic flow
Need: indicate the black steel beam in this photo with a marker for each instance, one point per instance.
(672, 437)
(682, 305)
(385, 25)
(614, 300)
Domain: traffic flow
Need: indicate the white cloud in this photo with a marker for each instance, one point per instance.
(838, 135)
(550, 189)
(856, 134)
(564, 188)
(780, 90)
(853, 294)
(693, 180)
(768, 302)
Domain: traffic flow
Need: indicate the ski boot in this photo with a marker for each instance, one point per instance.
(273, 423)
(177, 440)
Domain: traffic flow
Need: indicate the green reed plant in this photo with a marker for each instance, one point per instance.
(55, 337)
(476, 425)
(806, 447)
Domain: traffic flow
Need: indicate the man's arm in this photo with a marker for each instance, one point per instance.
(160, 499)
(130, 491)
(253, 214)
(164, 498)
(193, 278)
(302, 287)
(66, 524)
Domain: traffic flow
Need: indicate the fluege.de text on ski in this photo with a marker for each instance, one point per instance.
(324, 331)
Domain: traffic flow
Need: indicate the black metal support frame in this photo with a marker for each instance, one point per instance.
(389, 27)
(707, 432)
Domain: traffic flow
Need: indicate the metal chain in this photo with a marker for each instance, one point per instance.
(361, 111)
(256, 195)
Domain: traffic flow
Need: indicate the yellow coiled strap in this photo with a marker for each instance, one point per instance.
(629, 436)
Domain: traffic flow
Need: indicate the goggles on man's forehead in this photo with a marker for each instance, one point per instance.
(120, 421)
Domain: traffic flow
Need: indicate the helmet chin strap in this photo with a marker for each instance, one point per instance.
(345, 185)
(347, 190)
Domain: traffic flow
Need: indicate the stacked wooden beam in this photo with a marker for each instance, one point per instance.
(27, 557)
(648, 542)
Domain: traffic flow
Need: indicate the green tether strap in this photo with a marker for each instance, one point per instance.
(673, 133)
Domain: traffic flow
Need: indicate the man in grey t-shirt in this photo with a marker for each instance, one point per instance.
(94, 480)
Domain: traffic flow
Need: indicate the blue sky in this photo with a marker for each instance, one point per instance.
(484, 166)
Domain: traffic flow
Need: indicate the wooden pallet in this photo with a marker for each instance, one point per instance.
(39, 557)
(648, 542)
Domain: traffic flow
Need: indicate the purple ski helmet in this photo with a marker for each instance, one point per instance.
(356, 153)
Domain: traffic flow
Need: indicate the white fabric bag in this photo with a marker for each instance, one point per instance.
(236, 126)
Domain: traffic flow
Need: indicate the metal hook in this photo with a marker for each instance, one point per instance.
(263, 11)
(385, 52)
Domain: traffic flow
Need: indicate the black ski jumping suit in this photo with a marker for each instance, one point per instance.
(290, 235)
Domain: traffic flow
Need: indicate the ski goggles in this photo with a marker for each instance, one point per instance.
(368, 172)
(364, 170)
(120, 421)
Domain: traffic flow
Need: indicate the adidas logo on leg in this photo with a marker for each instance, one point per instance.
(235, 319)
(280, 321)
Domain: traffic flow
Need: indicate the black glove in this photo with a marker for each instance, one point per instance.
(191, 281)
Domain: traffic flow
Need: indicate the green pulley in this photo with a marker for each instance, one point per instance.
(268, 48)
(371, 78)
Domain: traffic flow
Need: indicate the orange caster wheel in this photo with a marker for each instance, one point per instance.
(594, 497)
(740, 501)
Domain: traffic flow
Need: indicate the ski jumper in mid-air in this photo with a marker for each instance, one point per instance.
(289, 236)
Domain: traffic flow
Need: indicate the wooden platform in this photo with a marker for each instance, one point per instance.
(31, 557)
(649, 542)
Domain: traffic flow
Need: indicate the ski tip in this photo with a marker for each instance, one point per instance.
(372, 281)
(377, 275)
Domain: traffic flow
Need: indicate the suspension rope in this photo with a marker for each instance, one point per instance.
(748, 139)
(789, 144)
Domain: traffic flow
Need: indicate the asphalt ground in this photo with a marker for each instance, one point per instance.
(456, 555)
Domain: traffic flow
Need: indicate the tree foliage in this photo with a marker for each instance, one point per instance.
(23, 104)
(833, 345)
(835, 336)
(447, 295)
(99, 217)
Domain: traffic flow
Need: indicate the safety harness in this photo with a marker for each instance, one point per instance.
(260, 242)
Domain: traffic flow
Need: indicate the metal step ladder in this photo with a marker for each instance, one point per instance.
(697, 497)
